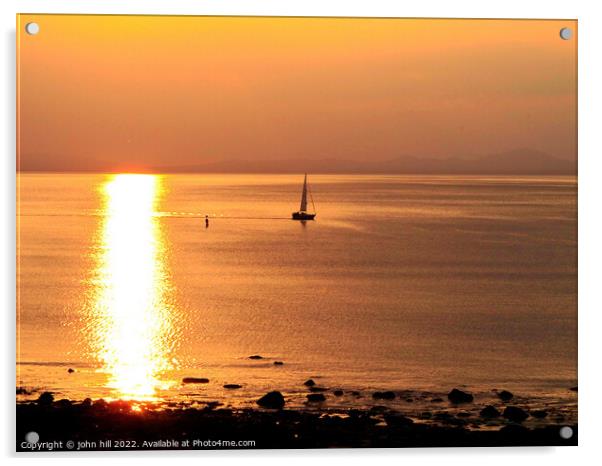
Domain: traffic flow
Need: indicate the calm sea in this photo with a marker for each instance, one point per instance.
(402, 282)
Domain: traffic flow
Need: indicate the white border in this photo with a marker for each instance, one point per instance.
(590, 225)
(446, 9)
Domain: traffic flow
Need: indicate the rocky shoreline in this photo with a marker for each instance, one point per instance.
(127, 425)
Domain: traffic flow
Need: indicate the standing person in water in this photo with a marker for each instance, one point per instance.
(206, 221)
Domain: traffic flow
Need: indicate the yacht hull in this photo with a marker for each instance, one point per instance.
(303, 216)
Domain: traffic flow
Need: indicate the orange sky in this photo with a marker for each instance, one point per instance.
(113, 93)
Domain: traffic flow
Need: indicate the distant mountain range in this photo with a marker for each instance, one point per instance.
(516, 162)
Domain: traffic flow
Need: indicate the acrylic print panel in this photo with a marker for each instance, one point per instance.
(255, 232)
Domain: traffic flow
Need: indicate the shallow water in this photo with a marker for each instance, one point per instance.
(416, 283)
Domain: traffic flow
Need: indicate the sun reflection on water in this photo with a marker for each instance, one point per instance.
(132, 318)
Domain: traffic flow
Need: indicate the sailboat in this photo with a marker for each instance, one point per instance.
(303, 214)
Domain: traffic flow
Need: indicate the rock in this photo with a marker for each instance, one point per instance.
(437, 400)
(64, 403)
(273, 400)
(232, 386)
(398, 420)
(309, 383)
(388, 395)
(514, 430)
(489, 412)
(409, 400)
(255, 356)
(278, 363)
(70, 370)
(87, 403)
(539, 414)
(458, 396)
(100, 404)
(442, 416)
(120, 406)
(338, 392)
(457, 422)
(463, 414)
(375, 410)
(355, 393)
(505, 395)
(195, 380)
(45, 399)
(211, 405)
(317, 389)
(316, 398)
(515, 414)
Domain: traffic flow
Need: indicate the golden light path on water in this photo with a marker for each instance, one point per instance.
(132, 320)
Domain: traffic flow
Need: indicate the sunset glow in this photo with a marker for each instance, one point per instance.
(165, 93)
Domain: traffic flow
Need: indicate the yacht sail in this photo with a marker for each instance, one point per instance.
(303, 207)
(302, 214)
